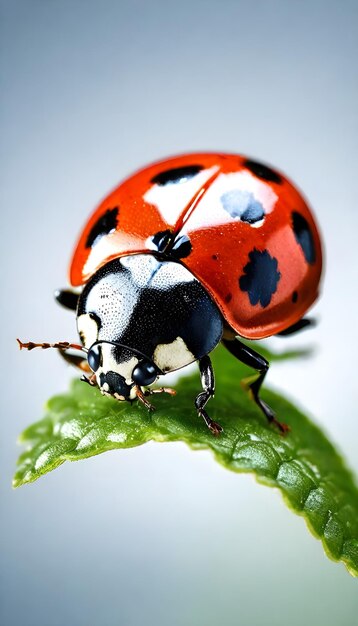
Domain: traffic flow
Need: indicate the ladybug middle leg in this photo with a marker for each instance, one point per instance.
(253, 359)
(208, 384)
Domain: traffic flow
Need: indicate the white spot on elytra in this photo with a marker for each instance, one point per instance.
(172, 199)
(210, 208)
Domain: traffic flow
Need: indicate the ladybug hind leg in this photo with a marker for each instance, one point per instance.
(253, 359)
(208, 384)
(304, 322)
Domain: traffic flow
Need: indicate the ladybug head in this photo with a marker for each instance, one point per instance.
(121, 371)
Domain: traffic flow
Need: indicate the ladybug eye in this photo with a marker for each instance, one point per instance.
(94, 357)
(144, 373)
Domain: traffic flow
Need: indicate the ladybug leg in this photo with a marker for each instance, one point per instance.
(76, 360)
(305, 322)
(169, 390)
(67, 298)
(141, 397)
(208, 384)
(92, 381)
(253, 359)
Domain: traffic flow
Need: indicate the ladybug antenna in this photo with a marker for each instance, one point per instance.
(60, 345)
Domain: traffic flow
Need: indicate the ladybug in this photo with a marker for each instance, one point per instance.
(186, 253)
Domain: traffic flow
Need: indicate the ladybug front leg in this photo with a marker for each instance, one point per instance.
(91, 380)
(208, 384)
(253, 359)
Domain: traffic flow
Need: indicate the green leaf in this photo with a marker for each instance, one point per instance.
(303, 464)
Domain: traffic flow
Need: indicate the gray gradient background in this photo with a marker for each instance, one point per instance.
(92, 90)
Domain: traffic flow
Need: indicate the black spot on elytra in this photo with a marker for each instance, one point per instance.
(161, 240)
(304, 236)
(177, 247)
(228, 298)
(214, 257)
(243, 205)
(181, 247)
(262, 171)
(106, 224)
(294, 297)
(176, 175)
(260, 277)
(253, 214)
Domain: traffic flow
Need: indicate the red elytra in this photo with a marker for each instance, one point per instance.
(238, 214)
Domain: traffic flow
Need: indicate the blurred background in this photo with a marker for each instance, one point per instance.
(92, 90)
